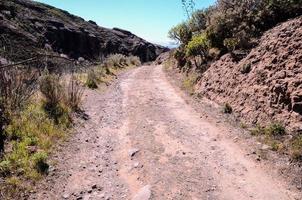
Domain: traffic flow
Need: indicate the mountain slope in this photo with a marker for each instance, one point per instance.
(27, 27)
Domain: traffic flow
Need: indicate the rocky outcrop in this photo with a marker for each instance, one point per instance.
(27, 26)
(266, 85)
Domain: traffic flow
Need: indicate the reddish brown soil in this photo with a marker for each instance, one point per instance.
(272, 89)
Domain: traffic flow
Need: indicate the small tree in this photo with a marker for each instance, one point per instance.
(188, 6)
(198, 46)
(198, 21)
(181, 33)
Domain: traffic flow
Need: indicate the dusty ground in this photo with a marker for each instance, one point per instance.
(144, 141)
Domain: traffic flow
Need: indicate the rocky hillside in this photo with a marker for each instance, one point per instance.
(26, 27)
(266, 85)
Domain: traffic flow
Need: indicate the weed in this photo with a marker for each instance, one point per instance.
(133, 61)
(5, 168)
(257, 130)
(246, 68)
(276, 146)
(51, 89)
(189, 83)
(120, 61)
(227, 108)
(116, 60)
(16, 88)
(32, 134)
(296, 148)
(39, 160)
(275, 129)
(74, 93)
(243, 125)
(13, 181)
(92, 80)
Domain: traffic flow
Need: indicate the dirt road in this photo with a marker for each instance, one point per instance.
(143, 141)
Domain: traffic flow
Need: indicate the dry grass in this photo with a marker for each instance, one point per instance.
(189, 82)
(16, 87)
(74, 93)
(34, 121)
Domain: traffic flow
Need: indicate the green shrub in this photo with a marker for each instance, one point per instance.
(181, 33)
(234, 24)
(275, 129)
(231, 43)
(30, 133)
(180, 56)
(5, 168)
(198, 20)
(198, 46)
(257, 130)
(227, 108)
(39, 159)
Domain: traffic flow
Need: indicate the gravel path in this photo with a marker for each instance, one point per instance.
(143, 141)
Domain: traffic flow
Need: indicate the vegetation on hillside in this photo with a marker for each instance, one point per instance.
(235, 27)
(36, 109)
(112, 64)
(227, 26)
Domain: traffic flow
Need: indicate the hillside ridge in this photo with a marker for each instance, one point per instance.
(28, 27)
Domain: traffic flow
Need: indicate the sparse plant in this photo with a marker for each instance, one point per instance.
(51, 89)
(181, 33)
(32, 133)
(198, 46)
(5, 168)
(74, 93)
(189, 83)
(227, 108)
(39, 161)
(296, 147)
(257, 130)
(53, 92)
(231, 43)
(180, 56)
(134, 61)
(243, 125)
(275, 129)
(16, 87)
(92, 80)
(276, 146)
(246, 68)
(116, 60)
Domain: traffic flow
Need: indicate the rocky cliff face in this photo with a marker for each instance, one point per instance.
(27, 27)
(265, 86)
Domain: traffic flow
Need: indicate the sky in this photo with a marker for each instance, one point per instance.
(149, 19)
